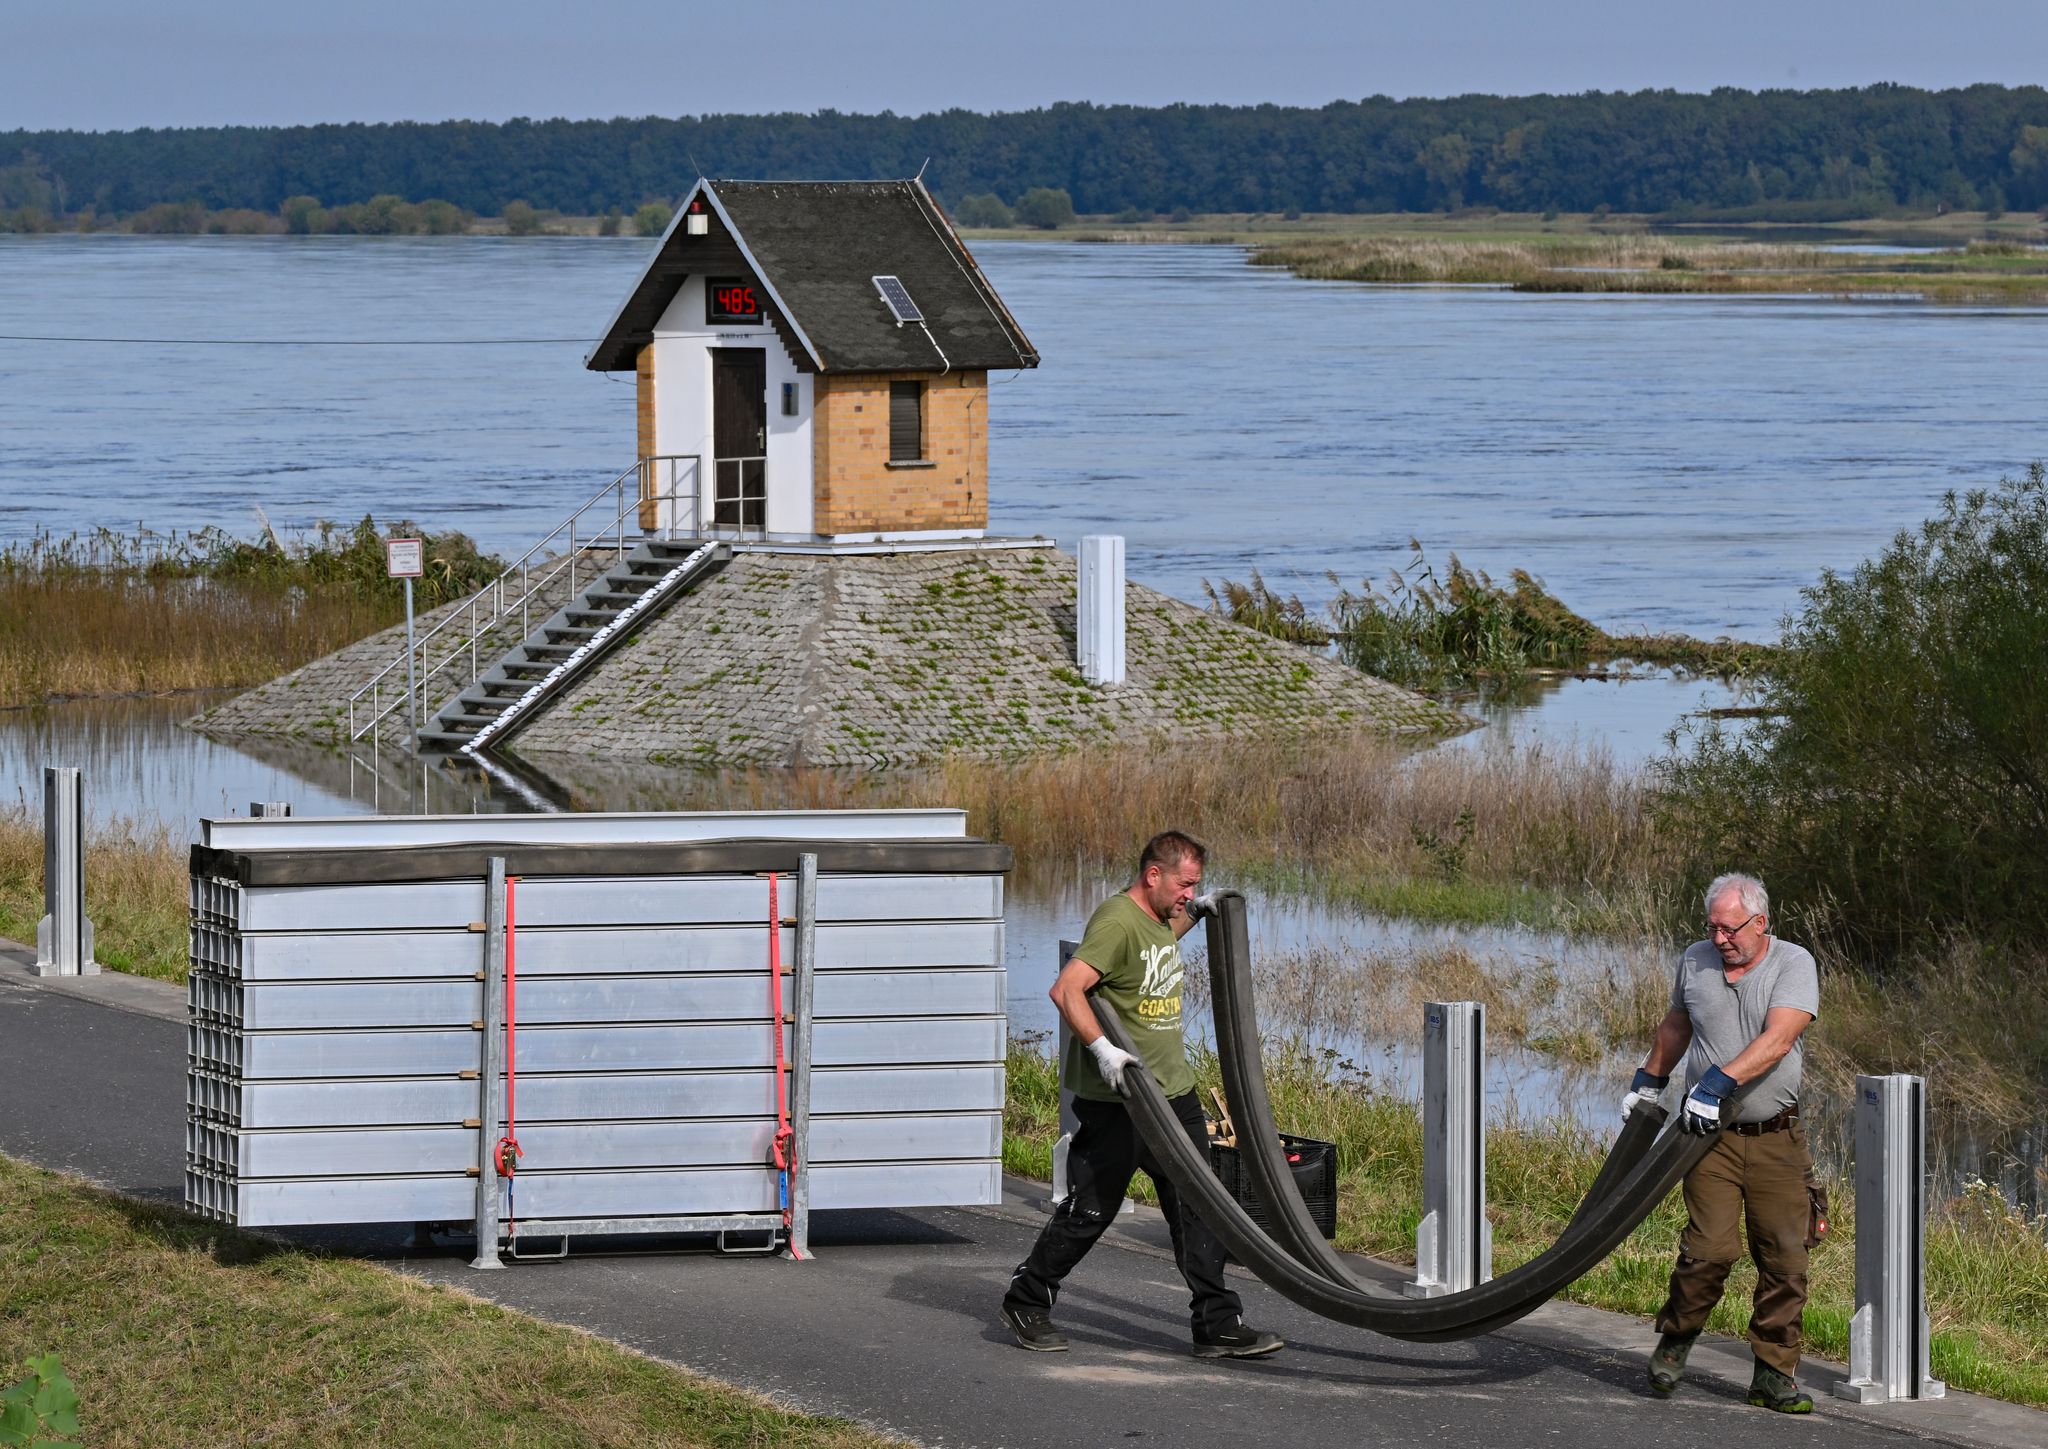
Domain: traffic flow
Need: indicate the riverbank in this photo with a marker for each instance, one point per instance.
(178, 1331)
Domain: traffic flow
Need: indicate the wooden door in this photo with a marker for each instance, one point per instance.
(739, 437)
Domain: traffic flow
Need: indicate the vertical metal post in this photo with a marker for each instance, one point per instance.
(1888, 1336)
(412, 694)
(490, 1113)
(274, 809)
(1454, 1241)
(800, 1053)
(1069, 1122)
(1099, 609)
(64, 935)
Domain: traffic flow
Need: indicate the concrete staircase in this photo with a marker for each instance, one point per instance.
(607, 611)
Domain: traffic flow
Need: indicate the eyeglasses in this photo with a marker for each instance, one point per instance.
(1731, 932)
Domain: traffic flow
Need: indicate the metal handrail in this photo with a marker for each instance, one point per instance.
(482, 616)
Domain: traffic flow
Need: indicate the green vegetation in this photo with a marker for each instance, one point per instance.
(1432, 633)
(115, 614)
(1045, 208)
(40, 1412)
(1987, 1271)
(1898, 790)
(1641, 262)
(651, 219)
(1812, 156)
(181, 1332)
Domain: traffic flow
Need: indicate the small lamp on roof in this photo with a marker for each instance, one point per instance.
(697, 221)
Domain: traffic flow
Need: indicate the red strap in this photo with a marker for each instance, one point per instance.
(782, 1152)
(507, 1151)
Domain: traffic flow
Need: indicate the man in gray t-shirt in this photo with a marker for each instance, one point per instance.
(1739, 1003)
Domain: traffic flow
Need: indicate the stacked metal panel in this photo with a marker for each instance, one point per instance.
(337, 1040)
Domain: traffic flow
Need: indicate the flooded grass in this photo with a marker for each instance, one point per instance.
(1658, 264)
(113, 614)
(1987, 1273)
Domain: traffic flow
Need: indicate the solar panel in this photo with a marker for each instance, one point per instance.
(897, 296)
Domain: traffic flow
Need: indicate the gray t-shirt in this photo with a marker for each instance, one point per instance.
(1726, 1018)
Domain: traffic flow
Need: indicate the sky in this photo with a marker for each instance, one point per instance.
(121, 64)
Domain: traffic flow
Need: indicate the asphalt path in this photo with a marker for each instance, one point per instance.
(893, 1323)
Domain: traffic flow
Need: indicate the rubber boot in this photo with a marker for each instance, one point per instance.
(1667, 1362)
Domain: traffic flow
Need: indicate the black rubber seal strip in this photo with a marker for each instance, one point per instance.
(1240, 1055)
(387, 865)
(1456, 1315)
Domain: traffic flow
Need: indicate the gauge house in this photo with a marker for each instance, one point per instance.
(811, 363)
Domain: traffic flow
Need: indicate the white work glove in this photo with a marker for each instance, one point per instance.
(1111, 1060)
(1645, 1088)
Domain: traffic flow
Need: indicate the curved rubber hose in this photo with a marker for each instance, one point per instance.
(1244, 1078)
(1460, 1314)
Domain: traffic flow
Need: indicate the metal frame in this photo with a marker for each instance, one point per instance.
(1889, 1339)
(309, 832)
(489, 1093)
(1454, 1241)
(64, 945)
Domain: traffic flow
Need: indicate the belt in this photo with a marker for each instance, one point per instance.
(1770, 1124)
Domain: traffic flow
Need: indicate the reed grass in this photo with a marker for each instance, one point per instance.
(136, 892)
(1987, 1274)
(109, 614)
(179, 1332)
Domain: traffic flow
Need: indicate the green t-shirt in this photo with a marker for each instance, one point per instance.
(1139, 959)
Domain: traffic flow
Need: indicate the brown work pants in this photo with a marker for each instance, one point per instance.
(1762, 1181)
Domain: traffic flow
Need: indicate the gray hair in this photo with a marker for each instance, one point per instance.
(1748, 890)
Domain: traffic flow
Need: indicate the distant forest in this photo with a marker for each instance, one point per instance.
(1790, 154)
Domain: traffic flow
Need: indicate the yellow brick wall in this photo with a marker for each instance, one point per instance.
(854, 489)
(643, 426)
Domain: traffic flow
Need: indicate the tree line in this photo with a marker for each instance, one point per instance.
(1730, 152)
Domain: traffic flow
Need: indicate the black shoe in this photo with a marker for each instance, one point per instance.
(1769, 1389)
(1237, 1341)
(1034, 1330)
(1667, 1363)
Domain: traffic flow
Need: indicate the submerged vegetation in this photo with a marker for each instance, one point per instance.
(145, 613)
(1431, 633)
(2004, 271)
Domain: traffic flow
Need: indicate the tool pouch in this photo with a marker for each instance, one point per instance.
(1816, 1212)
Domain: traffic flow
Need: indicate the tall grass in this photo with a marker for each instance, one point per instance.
(136, 892)
(122, 614)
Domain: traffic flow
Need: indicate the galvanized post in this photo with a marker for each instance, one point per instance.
(272, 809)
(800, 1054)
(1454, 1241)
(64, 935)
(412, 697)
(1888, 1337)
(491, 1064)
(1070, 1123)
(1099, 609)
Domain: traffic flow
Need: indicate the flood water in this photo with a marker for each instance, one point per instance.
(1664, 463)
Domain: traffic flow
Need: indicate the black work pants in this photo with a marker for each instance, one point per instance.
(1104, 1153)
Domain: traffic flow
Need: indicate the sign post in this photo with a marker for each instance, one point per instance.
(406, 558)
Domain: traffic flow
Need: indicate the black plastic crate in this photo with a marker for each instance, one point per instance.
(1314, 1165)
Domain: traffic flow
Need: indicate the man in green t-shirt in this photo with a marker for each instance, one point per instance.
(1130, 956)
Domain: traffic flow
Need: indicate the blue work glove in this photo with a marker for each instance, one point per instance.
(1703, 1103)
(1645, 1088)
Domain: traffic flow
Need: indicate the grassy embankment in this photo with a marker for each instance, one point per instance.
(177, 1331)
(115, 614)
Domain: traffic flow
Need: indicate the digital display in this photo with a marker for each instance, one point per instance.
(727, 299)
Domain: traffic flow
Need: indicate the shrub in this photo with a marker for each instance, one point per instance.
(303, 215)
(984, 210)
(1899, 787)
(1045, 207)
(170, 218)
(521, 219)
(608, 224)
(651, 219)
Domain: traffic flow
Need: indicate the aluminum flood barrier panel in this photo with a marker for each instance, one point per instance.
(1888, 1336)
(1454, 1241)
(349, 1003)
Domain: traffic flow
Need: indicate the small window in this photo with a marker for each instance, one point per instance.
(906, 422)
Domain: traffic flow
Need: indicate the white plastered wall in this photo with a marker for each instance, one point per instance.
(683, 344)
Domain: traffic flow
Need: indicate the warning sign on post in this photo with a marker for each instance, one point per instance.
(405, 558)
